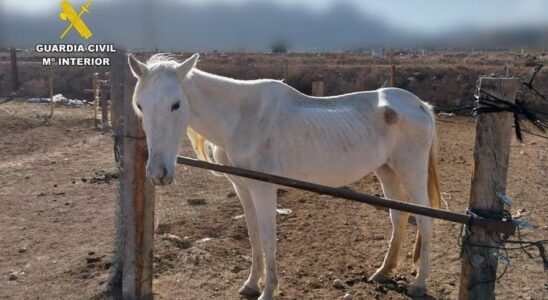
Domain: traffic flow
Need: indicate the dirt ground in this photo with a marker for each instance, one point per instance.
(57, 199)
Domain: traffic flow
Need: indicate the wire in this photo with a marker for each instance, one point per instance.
(529, 84)
(464, 240)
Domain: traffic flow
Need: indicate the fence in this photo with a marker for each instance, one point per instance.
(132, 269)
(101, 99)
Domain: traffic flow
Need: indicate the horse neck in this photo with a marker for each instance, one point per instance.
(216, 105)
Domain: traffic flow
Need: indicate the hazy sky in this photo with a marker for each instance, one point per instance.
(429, 16)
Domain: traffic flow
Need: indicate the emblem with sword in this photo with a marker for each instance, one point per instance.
(75, 19)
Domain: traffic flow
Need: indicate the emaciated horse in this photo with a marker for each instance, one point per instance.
(268, 126)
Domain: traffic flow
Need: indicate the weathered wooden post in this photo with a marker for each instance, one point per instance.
(137, 204)
(95, 84)
(14, 72)
(392, 76)
(104, 105)
(112, 108)
(491, 154)
(392, 71)
(51, 95)
(360, 82)
(317, 89)
(113, 286)
(131, 274)
(286, 70)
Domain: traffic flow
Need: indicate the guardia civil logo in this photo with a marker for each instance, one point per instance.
(69, 14)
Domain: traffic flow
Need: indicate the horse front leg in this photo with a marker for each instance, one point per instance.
(251, 286)
(264, 200)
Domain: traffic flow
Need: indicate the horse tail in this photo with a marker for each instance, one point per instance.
(198, 144)
(433, 191)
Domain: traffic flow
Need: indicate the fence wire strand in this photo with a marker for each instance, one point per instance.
(466, 233)
(488, 103)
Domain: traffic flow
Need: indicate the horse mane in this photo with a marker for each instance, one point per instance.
(162, 58)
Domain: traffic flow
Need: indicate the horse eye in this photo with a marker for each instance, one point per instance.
(139, 107)
(175, 106)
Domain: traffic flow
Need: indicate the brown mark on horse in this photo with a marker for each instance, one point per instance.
(390, 116)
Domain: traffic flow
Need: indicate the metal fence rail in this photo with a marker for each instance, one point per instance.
(501, 226)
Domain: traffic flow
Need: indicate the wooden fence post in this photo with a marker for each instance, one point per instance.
(95, 84)
(51, 95)
(104, 105)
(392, 72)
(113, 286)
(491, 154)
(131, 271)
(137, 200)
(317, 89)
(14, 72)
(112, 108)
(392, 76)
(119, 63)
(360, 81)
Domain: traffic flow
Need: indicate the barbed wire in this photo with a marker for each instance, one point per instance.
(500, 243)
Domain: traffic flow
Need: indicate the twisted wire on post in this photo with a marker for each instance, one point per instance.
(487, 103)
(500, 242)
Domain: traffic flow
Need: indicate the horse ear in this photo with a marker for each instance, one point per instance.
(187, 65)
(138, 68)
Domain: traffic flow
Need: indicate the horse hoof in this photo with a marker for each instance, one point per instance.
(249, 292)
(416, 291)
(265, 297)
(380, 278)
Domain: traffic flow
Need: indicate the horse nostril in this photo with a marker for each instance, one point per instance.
(164, 174)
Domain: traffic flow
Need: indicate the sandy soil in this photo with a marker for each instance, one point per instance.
(57, 199)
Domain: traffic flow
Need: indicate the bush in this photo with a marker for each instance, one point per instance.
(279, 47)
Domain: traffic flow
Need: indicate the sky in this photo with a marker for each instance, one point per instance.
(426, 16)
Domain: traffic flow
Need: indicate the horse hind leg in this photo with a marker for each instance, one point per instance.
(392, 190)
(414, 180)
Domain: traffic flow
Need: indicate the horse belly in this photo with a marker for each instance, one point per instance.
(332, 166)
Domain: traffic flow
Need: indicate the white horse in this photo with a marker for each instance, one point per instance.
(267, 126)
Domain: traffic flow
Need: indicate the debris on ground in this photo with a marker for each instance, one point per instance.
(521, 213)
(12, 276)
(204, 240)
(357, 279)
(103, 177)
(60, 100)
(196, 201)
(338, 284)
(284, 211)
(183, 243)
(92, 258)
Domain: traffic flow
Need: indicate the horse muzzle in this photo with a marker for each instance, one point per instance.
(160, 174)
